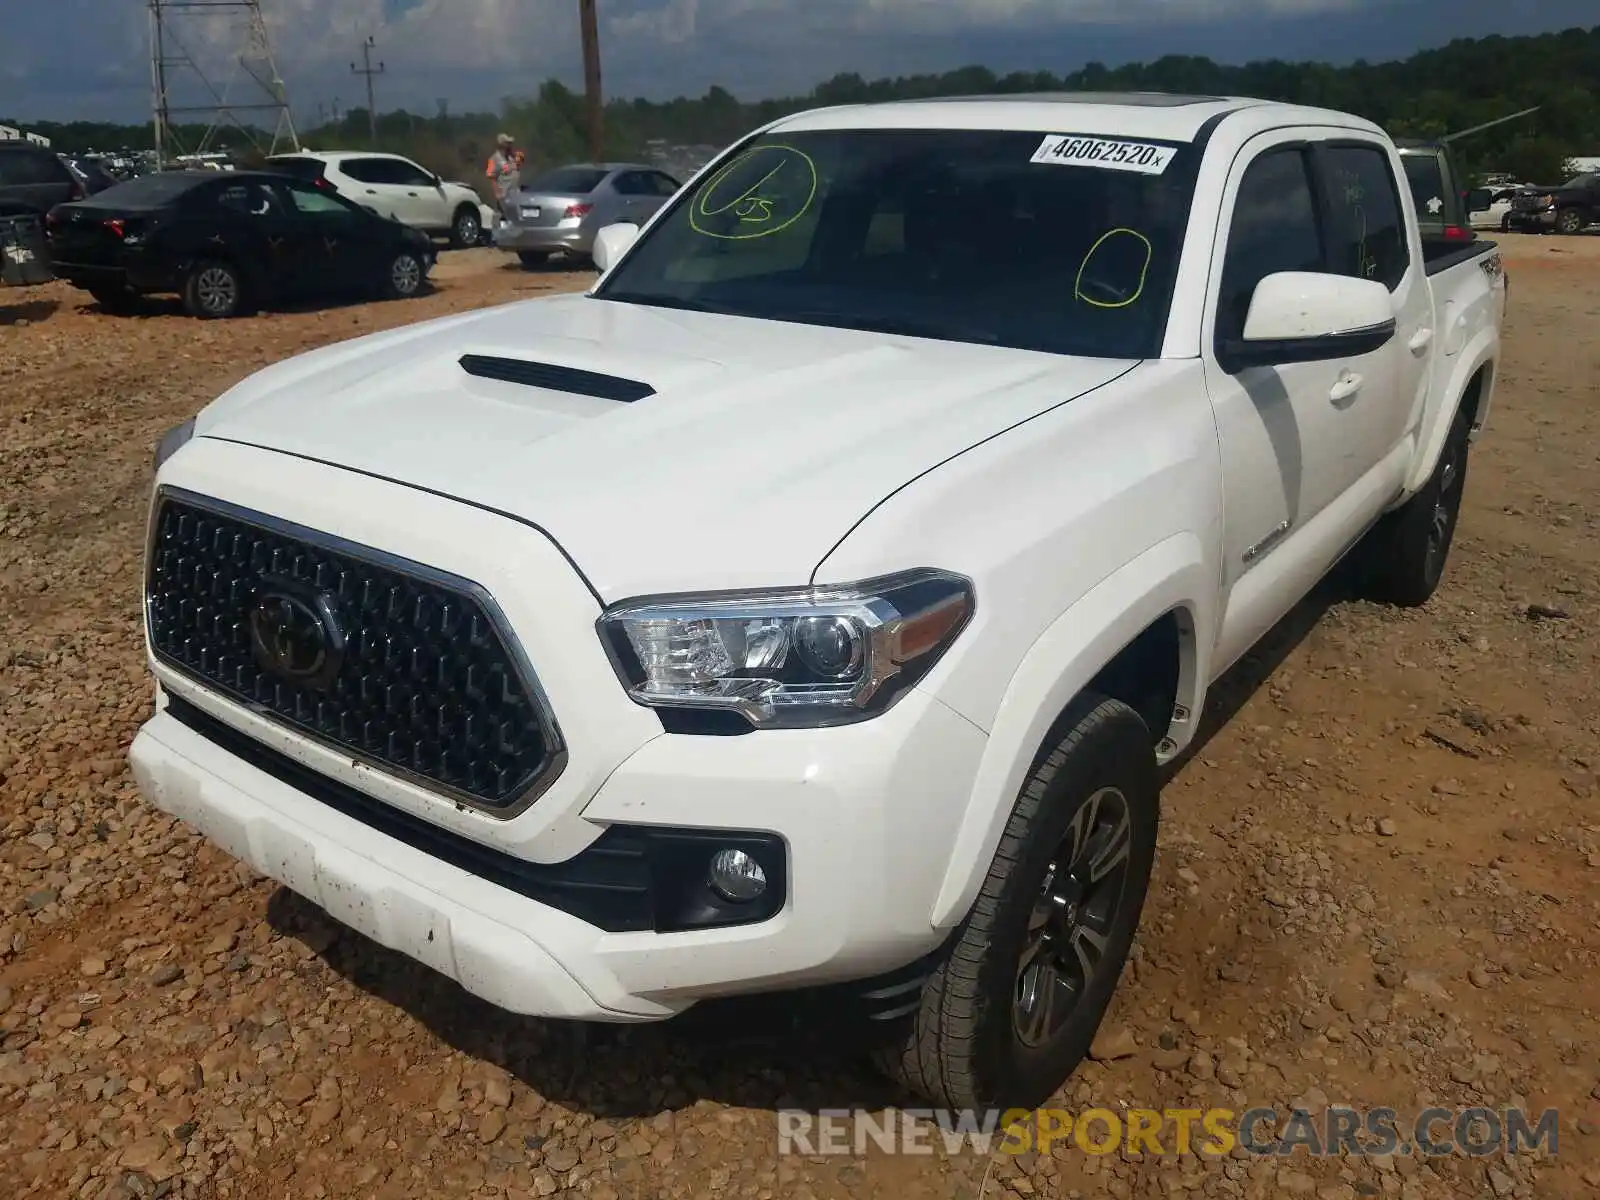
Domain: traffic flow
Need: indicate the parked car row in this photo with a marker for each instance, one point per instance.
(227, 243)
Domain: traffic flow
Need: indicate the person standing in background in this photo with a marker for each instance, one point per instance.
(504, 169)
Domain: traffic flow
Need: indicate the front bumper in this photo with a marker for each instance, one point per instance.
(867, 813)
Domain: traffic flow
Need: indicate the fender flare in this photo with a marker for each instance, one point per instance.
(1172, 575)
(1480, 352)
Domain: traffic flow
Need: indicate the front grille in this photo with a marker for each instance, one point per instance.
(394, 663)
(1525, 203)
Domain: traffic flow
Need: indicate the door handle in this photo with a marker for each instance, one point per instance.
(372, 191)
(1348, 385)
(1420, 339)
(411, 194)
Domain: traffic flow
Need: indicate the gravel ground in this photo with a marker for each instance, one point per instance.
(1379, 880)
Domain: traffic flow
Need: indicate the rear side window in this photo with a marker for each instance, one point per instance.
(567, 181)
(1367, 231)
(26, 167)
(369, 170)
(1274, 229)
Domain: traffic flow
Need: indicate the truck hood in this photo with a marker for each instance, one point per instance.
(763, 444)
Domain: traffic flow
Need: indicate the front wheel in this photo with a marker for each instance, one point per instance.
(403, 278)
(1013, 1007)
(466, 229)
(1405, 553)
(1569, 220)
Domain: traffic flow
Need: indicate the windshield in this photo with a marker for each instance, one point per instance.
(567, 181)
(1060, 243)
(1587, 180)
(301, 168)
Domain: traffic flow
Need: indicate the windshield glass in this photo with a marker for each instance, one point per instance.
(1063, 243)
(1586, 180)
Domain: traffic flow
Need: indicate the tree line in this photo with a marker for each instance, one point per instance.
(1435, 92)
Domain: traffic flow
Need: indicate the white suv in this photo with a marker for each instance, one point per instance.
(395, 187)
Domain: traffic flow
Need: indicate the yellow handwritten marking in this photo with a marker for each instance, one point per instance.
(1077, 284)
(748, 207)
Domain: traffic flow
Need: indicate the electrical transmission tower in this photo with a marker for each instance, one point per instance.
(226, 33)
(366, 68)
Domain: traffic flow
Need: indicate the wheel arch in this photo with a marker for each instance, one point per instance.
(1472, 383)
(1139, 636)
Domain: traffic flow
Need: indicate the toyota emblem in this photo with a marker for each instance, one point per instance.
(295, 637)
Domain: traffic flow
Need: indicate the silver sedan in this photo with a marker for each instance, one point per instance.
(560, 211)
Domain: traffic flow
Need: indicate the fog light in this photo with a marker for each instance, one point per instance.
(735, 876)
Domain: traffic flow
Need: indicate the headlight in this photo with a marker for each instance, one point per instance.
(793, 657)
(173, 440)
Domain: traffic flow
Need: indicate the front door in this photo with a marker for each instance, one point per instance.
(334, 240)
(1297, 440)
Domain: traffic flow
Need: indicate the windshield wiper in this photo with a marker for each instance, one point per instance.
(682, 302)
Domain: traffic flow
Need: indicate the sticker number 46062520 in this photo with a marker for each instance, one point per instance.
(1111, 154)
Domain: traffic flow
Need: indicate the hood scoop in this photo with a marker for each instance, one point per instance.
(555, 378)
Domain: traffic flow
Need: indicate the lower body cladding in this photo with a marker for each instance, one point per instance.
(593, 902)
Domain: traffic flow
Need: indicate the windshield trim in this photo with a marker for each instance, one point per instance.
(1188, 174)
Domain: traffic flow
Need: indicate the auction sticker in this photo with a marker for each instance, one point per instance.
(1111, 154)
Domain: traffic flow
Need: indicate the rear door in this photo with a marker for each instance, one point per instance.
(253, 218)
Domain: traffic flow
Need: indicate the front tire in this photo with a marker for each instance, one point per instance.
(1406, 551)
(214, 290)
(1013, 1007)
(403, 277)
(1569, 221)
(466, 229)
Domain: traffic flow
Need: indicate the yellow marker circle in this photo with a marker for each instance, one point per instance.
(1077, 284)
(758, 215)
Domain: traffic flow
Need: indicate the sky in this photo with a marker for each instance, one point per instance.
(89, 59)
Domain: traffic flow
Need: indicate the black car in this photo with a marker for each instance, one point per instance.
(34, 180)
(1569, 208)
(227, 242)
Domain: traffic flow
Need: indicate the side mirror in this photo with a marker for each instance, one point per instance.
(612, 242)
(1479, 199)
(1306, 316)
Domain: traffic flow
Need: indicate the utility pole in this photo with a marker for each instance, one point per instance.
(366, 68)
(591, 78)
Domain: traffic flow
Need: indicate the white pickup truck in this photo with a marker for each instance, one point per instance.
(811, 604)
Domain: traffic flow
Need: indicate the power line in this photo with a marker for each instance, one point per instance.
(366, 68)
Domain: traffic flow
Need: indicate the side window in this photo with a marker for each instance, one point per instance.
(1274, 229)
(1368, 232)
(247, 199)
(313, 202)
(664, 185)
(407, 174)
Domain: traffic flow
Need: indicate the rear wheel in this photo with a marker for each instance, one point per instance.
(1569, 220)
(1012, 1009)
(533, 258)
(1405, 553)
(214, 290)
(467, 228)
